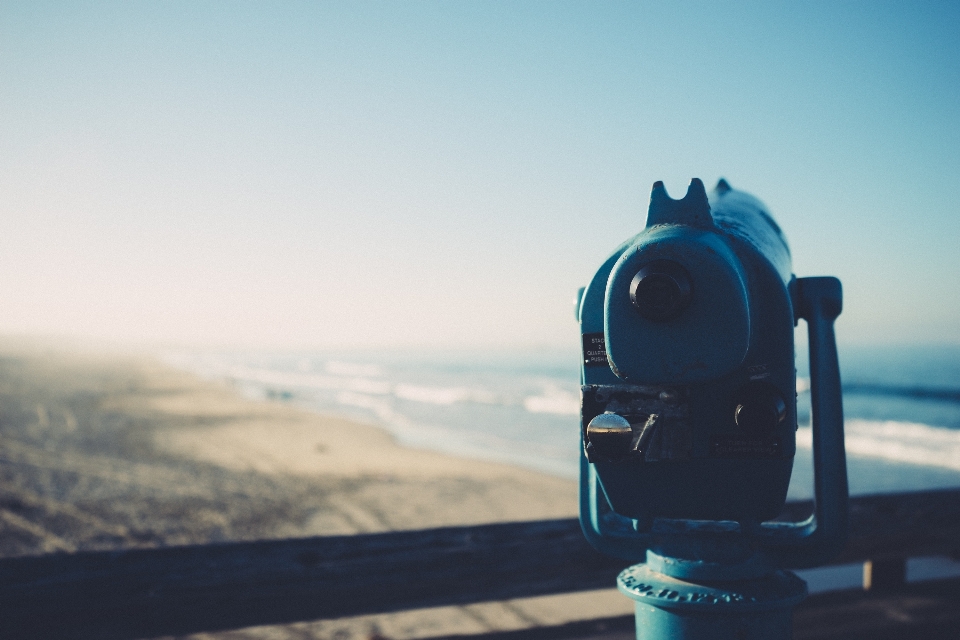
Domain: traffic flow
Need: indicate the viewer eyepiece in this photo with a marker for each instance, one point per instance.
(661, 290)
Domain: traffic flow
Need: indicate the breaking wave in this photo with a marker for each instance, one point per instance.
(907, 442)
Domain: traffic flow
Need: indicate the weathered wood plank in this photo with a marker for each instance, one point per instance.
(141, 593)
(903, 525)
(897, 525)
(144, 592)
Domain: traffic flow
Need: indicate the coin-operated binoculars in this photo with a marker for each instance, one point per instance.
(689, 418)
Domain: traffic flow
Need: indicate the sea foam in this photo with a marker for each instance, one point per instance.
(553, 400)
(442, 395)
(907, 442)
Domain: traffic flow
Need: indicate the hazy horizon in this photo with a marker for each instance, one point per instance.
(446, 175)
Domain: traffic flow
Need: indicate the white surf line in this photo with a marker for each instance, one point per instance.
(907, 442)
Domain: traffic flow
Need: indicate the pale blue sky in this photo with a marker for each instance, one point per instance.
(310, 174)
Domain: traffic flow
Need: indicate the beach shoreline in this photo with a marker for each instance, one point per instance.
(107, 450)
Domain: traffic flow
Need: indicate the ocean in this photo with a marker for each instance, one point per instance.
(521, 407)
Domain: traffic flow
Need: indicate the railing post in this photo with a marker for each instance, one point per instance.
(885, 575)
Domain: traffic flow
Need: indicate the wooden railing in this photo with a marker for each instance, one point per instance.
(177, 590)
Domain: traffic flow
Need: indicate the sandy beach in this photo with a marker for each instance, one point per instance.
(102, 450)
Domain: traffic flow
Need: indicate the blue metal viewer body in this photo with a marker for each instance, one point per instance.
(688, 408)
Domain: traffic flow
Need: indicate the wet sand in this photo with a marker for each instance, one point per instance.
(103, 450)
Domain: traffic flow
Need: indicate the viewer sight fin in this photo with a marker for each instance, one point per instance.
(693, 210)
